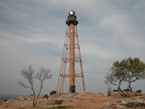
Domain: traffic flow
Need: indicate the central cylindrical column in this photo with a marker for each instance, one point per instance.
(72, 60)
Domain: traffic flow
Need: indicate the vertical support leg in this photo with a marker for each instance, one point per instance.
(60, 84)
(82, 75)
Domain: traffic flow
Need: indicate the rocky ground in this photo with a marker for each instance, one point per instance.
(78, 101)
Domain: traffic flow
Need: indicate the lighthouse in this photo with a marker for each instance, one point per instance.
(71, 58)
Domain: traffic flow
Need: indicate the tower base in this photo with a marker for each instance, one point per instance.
(72, 89)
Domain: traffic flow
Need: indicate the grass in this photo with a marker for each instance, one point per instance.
(138, 95)
(60, 107)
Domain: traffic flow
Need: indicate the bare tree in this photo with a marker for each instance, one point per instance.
(30, 76)
(109, 91)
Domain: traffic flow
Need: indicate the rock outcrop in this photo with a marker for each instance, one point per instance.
(138, 102)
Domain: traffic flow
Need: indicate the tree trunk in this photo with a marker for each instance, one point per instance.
(121, 91)
(130, 87)
(34, 104)
(34, 101)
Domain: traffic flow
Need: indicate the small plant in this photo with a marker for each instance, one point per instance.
(109, 91)
(52, 92)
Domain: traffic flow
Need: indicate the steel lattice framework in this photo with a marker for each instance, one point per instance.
(62, 85)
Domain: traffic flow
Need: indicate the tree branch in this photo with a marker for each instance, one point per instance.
(20, 83)
(42, 75)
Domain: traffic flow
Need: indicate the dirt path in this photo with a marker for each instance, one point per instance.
(94, 101)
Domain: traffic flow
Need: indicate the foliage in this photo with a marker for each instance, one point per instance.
(52, 92)
(30, 76)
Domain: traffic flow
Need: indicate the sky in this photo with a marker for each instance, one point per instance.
(32, 32)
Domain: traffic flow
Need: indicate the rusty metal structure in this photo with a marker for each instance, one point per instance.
(71, 69)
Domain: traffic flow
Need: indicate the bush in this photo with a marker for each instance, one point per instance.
(52, 92)
(45, 96)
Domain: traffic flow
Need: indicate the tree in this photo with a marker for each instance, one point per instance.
(134, 70)
(128, 70)
(42, 75)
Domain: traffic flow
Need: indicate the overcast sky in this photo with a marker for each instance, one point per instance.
(32, 32)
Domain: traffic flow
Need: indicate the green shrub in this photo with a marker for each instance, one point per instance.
(52, 92)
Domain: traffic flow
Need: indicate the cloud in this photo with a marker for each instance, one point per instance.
(92, 49)
(33, 32)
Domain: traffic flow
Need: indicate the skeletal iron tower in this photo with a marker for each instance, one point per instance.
(71, 63)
